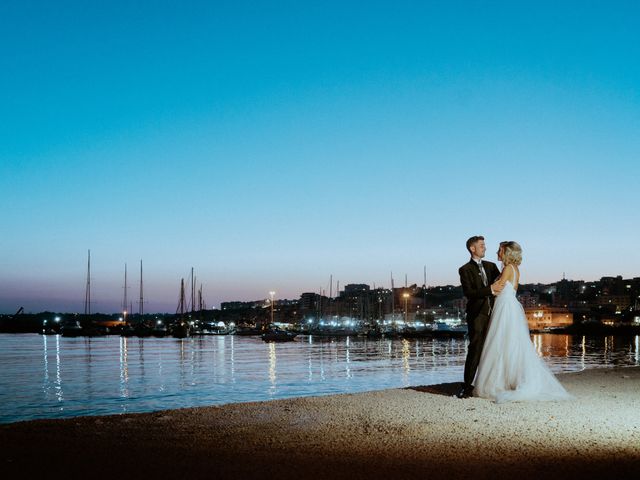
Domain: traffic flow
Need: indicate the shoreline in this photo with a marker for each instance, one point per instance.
(413, 432)
(589, 330)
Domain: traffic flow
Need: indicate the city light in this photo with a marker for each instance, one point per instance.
(272, 295)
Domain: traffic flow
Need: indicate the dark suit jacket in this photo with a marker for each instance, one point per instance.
(479, 298)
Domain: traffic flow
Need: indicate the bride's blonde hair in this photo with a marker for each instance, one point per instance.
(511, 253)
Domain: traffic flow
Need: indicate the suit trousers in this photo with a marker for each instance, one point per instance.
(477, 328)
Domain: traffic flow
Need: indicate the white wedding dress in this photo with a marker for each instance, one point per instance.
(510, 369)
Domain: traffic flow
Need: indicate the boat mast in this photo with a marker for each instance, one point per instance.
(141, 307)
(87, 293)
(124, 301)
(424, 304)
(193, 292)
(393, 300)
(182, 300)
(330, 294)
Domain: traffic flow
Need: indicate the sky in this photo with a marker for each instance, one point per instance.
(270, 145)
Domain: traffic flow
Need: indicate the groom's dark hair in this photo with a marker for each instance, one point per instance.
(473, 240)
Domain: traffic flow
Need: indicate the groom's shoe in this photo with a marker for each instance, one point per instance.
(465, 392)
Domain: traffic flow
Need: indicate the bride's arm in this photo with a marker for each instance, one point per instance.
(506, 274)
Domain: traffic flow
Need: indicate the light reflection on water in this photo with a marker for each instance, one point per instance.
(51, 376)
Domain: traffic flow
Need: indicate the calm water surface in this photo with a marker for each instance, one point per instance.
(53, 377)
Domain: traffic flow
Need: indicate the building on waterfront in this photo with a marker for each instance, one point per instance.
(355, 290)
(354, 301)
(542, 317)
(309, 301)
(620, 302)
(313, 305)
(241, 305)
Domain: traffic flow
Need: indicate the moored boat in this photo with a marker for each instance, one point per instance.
(72, 329)
(248, 331)
(278, 335)
(159, 330)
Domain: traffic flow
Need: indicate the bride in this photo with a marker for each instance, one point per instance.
(510, 369)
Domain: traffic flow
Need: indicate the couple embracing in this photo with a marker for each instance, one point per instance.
(502, 363)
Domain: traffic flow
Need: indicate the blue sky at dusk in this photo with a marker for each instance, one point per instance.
(272, 144)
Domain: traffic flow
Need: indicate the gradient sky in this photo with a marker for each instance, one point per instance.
(272, 144)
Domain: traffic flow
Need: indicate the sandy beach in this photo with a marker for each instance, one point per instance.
(417, 432)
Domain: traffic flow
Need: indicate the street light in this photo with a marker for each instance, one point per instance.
(406, 311)
(272, 295)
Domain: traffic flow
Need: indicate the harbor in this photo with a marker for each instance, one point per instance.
(278, 240)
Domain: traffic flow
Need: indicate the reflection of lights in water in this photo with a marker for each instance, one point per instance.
(584, 351)
(89, 370)
(537, 342)
(162, 386)
(406, 352)
(433, 353)
(445, 354)
(46, 364)
(347, 357)
(182, 375)
(637, 349)
(233, 361)
(566, 346)
(220, 364)
(59, 394)
(272, 367)
(193, 363)
(141, 357)
(124, 368)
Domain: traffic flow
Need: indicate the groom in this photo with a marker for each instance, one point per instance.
(477, 278)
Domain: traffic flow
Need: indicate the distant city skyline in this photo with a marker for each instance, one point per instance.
(272, 145)
(77, 306)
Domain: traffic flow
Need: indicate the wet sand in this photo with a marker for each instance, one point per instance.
(418, 432)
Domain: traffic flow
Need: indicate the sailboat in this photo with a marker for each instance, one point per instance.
(159, 330)
(181, 328)
(127, 329)
(72, 328)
